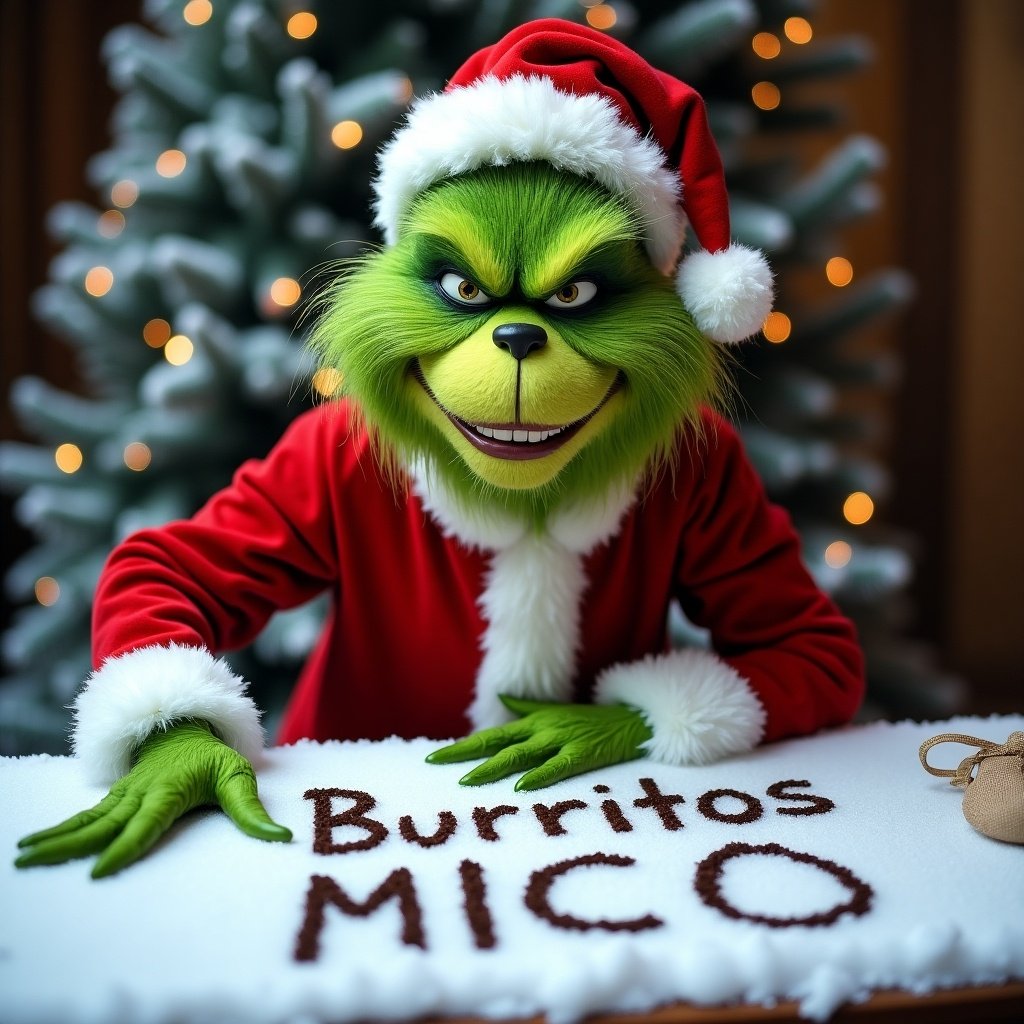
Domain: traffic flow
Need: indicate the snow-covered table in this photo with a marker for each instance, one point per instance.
(819, 870)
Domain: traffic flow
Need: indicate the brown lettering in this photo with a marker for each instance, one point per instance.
(485, 817)
(708, 883)
(662, 803)
(817, 804)
(325, 821)
(446, 826)
(753, 811)
(538, 889)
(323, 890)
(474, 902)
(550, 816)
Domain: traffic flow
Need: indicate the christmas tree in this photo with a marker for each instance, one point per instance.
(243, 146)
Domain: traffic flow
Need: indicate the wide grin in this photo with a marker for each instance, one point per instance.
(518, 441)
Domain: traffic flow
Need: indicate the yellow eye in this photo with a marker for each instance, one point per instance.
(462, 290)
(573, 295)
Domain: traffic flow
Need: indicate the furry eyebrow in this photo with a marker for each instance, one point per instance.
(582, 252)
(456, 240)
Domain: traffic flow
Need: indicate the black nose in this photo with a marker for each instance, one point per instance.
(519, 340)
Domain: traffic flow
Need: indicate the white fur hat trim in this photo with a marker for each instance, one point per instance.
(493, 122)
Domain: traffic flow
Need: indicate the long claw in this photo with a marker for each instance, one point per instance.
(555, 769)
(239, 798)
(485, 743)
(72, 824)
(507, 762)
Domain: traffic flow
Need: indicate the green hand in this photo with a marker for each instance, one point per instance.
(175, 770)
(552, 741)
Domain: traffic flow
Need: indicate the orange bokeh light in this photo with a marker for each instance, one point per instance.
(99, 281)
(766, 95)
(777, 327)
(301, 25)
(766, 45)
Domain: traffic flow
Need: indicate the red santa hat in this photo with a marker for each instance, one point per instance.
(584, 102)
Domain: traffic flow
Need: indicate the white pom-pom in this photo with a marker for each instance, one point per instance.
(728, 293)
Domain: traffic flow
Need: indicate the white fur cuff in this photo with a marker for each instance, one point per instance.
(698, 706)
(133, 695)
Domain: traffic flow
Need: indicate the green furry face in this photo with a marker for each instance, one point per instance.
(518, 339)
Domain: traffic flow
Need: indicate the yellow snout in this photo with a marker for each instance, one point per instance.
(506, 395)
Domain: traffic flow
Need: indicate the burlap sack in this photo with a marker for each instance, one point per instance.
(994, 795)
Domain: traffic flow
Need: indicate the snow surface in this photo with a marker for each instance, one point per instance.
(204, 929)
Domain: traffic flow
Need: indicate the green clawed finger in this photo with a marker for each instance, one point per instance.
(482, 744)
(72, 824)
(238, 797)
(155, 815)
(512, 759)
(562, 766)
(89, 837)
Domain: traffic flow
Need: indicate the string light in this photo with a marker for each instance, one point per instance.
(156, 333)
(858, 508)
(178, 350)
(285, 292)
(110, 224)
(839, 271)
(798, 30)
(197, 12)
(68, 458)
(170, 163)
(602, 17)
(137, 456)
(47, 591)
(124, 193)
(301, 25)
(766, 45)
(777, 327)
(838, 554)
(99, 281)
(766, 95)
(326, 381)
(347, 134)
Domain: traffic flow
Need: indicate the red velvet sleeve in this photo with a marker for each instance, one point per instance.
(740, 575)
(262, 544)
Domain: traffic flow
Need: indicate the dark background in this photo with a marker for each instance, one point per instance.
(946, 98)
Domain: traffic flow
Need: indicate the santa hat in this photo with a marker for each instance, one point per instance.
(585, 103)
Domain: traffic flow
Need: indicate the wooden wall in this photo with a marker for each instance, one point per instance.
(946, 97)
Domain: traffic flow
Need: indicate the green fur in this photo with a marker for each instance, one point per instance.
(519, 233)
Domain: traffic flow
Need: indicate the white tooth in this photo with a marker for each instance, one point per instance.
(545, 434)
(486, 431)
(535, 436)
(555, 430)
(502, 435)
(520, 435)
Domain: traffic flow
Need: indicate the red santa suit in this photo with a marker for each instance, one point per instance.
(438, 608)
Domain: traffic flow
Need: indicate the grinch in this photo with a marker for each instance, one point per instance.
(525, 464)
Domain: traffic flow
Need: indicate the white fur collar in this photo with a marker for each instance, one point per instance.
(533, 590)
(579, 526)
